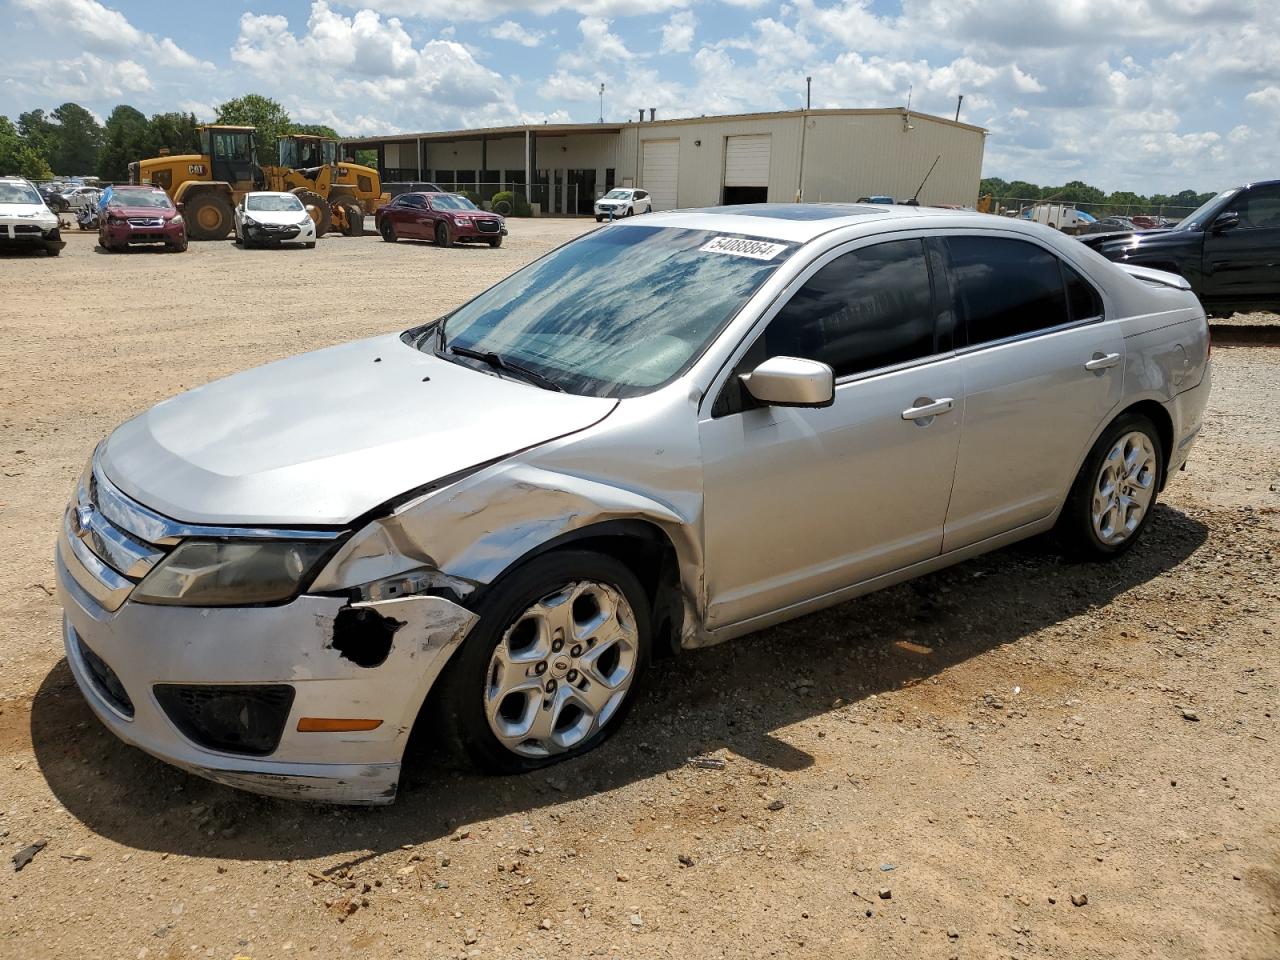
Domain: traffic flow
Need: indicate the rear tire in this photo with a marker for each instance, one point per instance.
(387, 230)
(473, 684)
(208, 217)
(317, 209)
(1113, 496)
(355, 217)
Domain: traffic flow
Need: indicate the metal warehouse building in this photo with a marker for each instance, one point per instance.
(810, 155)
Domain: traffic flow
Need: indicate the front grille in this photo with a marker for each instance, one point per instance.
(246, 719)
(25, 228)
(488, 226)
(146, 222)
(105, 680)
(4, 229)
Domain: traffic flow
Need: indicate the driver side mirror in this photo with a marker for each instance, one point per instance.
(1225, 221)
(791, 382)
(181, 207)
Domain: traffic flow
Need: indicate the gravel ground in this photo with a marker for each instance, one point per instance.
(1256, 319)
(944, 769)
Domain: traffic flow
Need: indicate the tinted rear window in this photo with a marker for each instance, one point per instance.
(1004, 287)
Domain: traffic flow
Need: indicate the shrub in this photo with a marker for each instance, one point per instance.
(515, 203)
(470, 195)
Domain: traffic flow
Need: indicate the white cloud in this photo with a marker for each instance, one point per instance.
(492, 9)
(515, 33)
(600, 46)
(677, 33)
(1268, 97)
(99, 29)
(89, 77)
(563, 85)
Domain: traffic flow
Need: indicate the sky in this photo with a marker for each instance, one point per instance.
(1141, 95)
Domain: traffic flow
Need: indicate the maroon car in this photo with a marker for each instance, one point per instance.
(140, 214)
(446, 218)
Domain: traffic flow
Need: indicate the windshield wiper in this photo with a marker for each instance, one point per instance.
(499, 362)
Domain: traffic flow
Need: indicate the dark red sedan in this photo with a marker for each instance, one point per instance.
(446, 218)
(137, 214)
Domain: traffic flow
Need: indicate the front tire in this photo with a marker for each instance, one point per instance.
(443, 237)
(495, 242)
(552, 666)
(317, 209)
(1113, 496)
(209, 217)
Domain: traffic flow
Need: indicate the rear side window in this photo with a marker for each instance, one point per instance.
(1082, 299)
(867, 309)
(1004, 287)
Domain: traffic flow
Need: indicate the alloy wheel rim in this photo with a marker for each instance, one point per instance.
(1124, 488)
(561, 670)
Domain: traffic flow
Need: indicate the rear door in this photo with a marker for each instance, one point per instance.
(1042, 368)
(1242, 264)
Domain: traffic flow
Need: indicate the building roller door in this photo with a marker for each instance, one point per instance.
(746, 169)
(660, 172)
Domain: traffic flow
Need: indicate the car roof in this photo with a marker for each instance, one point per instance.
(270, 193)
(801, 222)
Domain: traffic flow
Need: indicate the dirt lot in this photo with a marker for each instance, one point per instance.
(932, 772)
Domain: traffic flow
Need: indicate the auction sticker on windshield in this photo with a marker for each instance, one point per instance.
(738, 247)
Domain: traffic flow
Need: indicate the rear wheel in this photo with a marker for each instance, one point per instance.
(208, 217)
(317, 209)
(443, 237)
(552, 666)
(388, 230)
(354, 216)
(1111, 501)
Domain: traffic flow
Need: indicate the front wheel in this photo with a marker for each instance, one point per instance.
(1111, 501)
(311, 245)
(551, 667)
(495, 242)
(443, 237)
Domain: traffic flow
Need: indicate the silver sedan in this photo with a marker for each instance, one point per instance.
(670, 432)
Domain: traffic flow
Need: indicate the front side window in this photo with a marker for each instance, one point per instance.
(1260, 207)
(616, 313)
(618, 195)
(1004, 287)
(867, 309)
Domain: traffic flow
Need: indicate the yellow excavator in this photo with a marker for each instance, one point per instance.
(209, 184)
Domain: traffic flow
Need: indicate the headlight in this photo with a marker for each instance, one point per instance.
(306, 222)
(205, 573)
(176, 218)
(250, 222)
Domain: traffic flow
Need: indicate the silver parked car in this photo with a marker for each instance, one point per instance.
(670, 432)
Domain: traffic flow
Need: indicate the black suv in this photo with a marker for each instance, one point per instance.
(1228, 249)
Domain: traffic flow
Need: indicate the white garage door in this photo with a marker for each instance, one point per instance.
(746, 161)
(661, 172)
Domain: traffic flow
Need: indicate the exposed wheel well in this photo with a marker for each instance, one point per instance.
(646, 550)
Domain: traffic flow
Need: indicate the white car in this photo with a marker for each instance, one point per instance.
(25, 221)
(80, 197)
(623, 202)
(267, 217)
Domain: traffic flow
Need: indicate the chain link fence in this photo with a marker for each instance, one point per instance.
(1018, 206)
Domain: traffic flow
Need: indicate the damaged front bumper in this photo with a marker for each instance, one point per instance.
(221, 692)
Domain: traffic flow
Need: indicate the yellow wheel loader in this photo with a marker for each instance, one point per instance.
(211, 183)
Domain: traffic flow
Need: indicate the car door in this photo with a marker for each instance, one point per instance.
(1242, 263)
(411, 216)
(800, 502)
(1042, 368)
(641, 202)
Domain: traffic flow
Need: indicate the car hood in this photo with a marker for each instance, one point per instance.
(117, 210)
(283, 217)
(324, 437)
(25, 211)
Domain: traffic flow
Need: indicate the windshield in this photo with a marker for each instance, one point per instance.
(617, 195)
(620, 311)
(140, 199)
(281, 204)
(1197, 219)
(450, 202)
(18, 193)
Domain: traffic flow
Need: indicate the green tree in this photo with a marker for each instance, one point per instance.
(124, 140)
(174, 132)
(77, 140)
(1022, 190)
(366, 158)
(37, 130)
(993, 186)
(1076, 191)
(255, 110)
(17, 156)
(315, 130)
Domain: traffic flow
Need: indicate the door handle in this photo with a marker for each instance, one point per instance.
(927, 409)
(1102, 361)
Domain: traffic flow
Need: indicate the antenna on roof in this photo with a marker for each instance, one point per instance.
(915, 199)
(906, 115)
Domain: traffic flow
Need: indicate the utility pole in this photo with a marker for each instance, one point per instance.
(602, 103)
(959, 100)
(808, 92)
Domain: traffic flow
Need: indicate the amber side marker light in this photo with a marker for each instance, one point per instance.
(335, 725)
